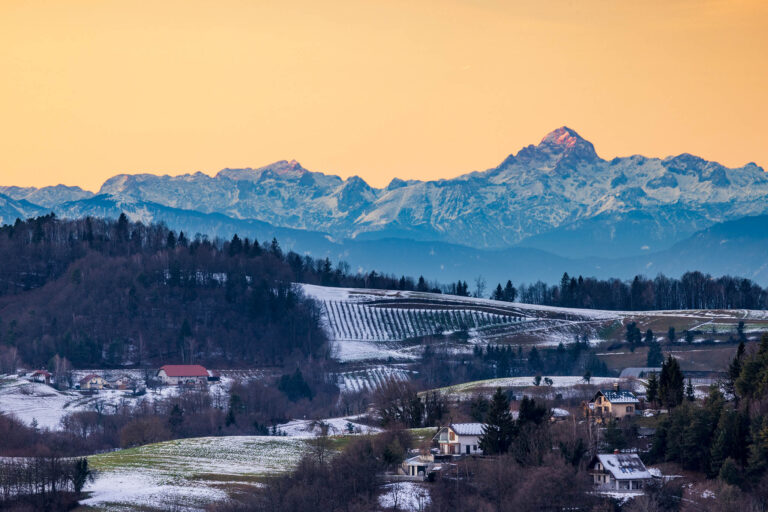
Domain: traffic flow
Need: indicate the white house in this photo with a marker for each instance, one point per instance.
(460, 439)
(174, 374)
(618, 471)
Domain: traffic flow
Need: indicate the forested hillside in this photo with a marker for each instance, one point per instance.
(693, 290)
(101, 292)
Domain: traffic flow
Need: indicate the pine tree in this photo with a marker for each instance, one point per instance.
(655, 356)
(652, 388)
(649, 337)
(734, 370)
(689, 394)
(671, 335)
(671, 383)
(499, 428)
(81, 474)
(531, 413)
(498, 293)
(510, 293)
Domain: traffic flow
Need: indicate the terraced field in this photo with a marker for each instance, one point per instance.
(376, 322)
(370, 379)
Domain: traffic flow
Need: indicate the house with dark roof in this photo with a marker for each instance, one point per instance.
(613, 403)
(618, 472)
(460, 439)
(175, 374)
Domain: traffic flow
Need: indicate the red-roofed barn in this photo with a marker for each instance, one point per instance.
(173, 374)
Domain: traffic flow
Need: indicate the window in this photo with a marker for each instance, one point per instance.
(629, 408)
(474, 447)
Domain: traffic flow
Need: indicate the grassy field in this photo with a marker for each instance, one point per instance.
(188, 474)
(692, 357)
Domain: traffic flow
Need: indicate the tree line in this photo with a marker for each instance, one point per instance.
(694, 290)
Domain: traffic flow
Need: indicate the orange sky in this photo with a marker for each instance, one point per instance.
(89, 89)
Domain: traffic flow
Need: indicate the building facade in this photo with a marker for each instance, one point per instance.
(460, 439)
(618, 472)
(175, 374)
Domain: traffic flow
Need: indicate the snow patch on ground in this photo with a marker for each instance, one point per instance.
(336, 426)
(187, 474)
(405, 496)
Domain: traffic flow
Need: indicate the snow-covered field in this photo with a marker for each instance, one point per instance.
(34, 401)
(336, 426)
(558, 383)
(368, 324)
(187, 474)
(374, 324)
(370, 379)
(405, 496)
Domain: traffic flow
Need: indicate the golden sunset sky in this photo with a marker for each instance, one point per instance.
(412, 89)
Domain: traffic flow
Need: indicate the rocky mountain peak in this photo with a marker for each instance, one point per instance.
(561, 148)
(285, 167)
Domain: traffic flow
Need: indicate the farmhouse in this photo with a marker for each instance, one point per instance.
(614, 403)
(174, 374)
(460, 439)
(122, 383)
(41, 376)
(92, 381)
(618, 471)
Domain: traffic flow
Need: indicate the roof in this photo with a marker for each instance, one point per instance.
(468, 429)
(184, 370)
(624, 466)
(89, 377)
(618, 397)
(41, 372)
(638, 372)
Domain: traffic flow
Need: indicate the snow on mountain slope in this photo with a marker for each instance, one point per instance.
(556, 184)
(46, 197)
(12, 209)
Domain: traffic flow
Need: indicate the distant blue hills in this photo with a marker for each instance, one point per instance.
(552, 207)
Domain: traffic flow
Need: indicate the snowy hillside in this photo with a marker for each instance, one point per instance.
(382, 324)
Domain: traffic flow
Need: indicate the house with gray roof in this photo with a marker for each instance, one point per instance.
(460, 439)
(613, 403)
(618, 472)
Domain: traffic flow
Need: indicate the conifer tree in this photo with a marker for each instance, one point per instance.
(652, 388)
(671, 335)
(671, 383)
(499, 428)
(689, 394)
(510, 293)
(655, 356)
(649, 337)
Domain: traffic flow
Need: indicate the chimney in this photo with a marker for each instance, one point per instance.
(616, 386)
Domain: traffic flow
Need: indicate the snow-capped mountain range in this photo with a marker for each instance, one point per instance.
(558, 196)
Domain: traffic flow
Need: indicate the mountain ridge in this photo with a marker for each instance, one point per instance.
(558, 196)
